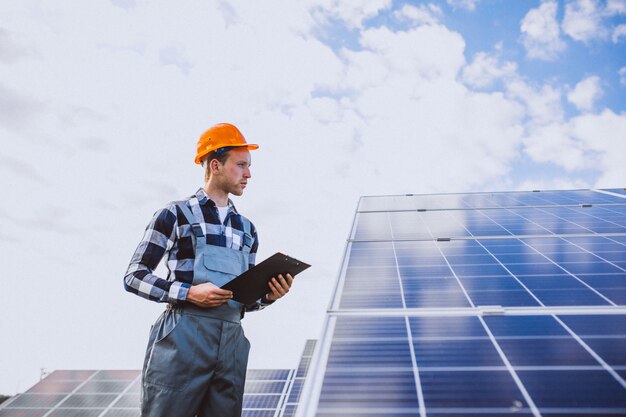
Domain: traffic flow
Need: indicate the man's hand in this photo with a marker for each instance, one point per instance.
(208, 295)
(279, 287)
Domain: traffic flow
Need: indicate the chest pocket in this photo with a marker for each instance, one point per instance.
(220, 265)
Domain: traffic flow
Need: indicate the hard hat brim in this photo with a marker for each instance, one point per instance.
(248, 146)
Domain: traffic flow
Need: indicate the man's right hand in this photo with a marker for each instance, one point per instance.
(208, 295)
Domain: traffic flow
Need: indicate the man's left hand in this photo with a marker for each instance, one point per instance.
(279, 286)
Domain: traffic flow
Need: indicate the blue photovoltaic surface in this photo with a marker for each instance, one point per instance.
(618, 190)
(458, 364)
(295, 390)
(486, 200)
(413, 225)
(106, 393)
(571, 271)
(115, 393)
(407, 333)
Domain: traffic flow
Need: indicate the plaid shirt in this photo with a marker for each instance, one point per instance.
(169, 235)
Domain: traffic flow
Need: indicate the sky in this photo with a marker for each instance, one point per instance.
(102, 102)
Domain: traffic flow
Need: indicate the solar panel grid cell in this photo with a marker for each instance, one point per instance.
(52, 386)
(455, 352)
(546, 352)
(309, 348)
(303, 367)
(123, 375)
(289, 411)
(71, 375)
(37, 400)
(366, 388)
(572, 390)
(70, 412)
(267, 374)
(122, 413)
(386, 353)
(260, 401)
(7, 412)
(467, 390)
(257, 413)
(92, 400)
(296, 390)
(127, 401)
(102, 387)
(264, 387)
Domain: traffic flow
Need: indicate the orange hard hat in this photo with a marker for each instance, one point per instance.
(222, 135)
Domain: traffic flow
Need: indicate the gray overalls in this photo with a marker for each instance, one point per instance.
(197, 357)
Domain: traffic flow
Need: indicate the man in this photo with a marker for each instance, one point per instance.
(197, 353)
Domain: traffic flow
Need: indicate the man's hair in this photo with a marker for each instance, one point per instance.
(206, 162)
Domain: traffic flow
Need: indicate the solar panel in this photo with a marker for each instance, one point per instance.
(293, 395)
(487, 200)
(477, 304)
(115, 393)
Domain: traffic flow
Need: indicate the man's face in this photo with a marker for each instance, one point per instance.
(234, 173)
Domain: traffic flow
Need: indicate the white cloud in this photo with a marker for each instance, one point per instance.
(420, 15)
(20, 169)
(602, 135)
(485, 69)
(124, 4)
(590, 141)
(543, 104)
(622, 75)
(174, 55)
(553, 143)
(17, 110)
(11, 50)
(583, 20)
(463, 4)
(406, 89)
(587, 20)
(546, 183)
(426, 52)
(541, 33)
(326, 110)
(618, 32)
(615, 7)
(585, 94)
(353, 13)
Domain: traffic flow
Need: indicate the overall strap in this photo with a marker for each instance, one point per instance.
(247, 235)
(196, 229)
(195, 209)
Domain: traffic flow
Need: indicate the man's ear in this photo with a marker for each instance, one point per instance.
(215, 166)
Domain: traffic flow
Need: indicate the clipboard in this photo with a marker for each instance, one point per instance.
(254, 283)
